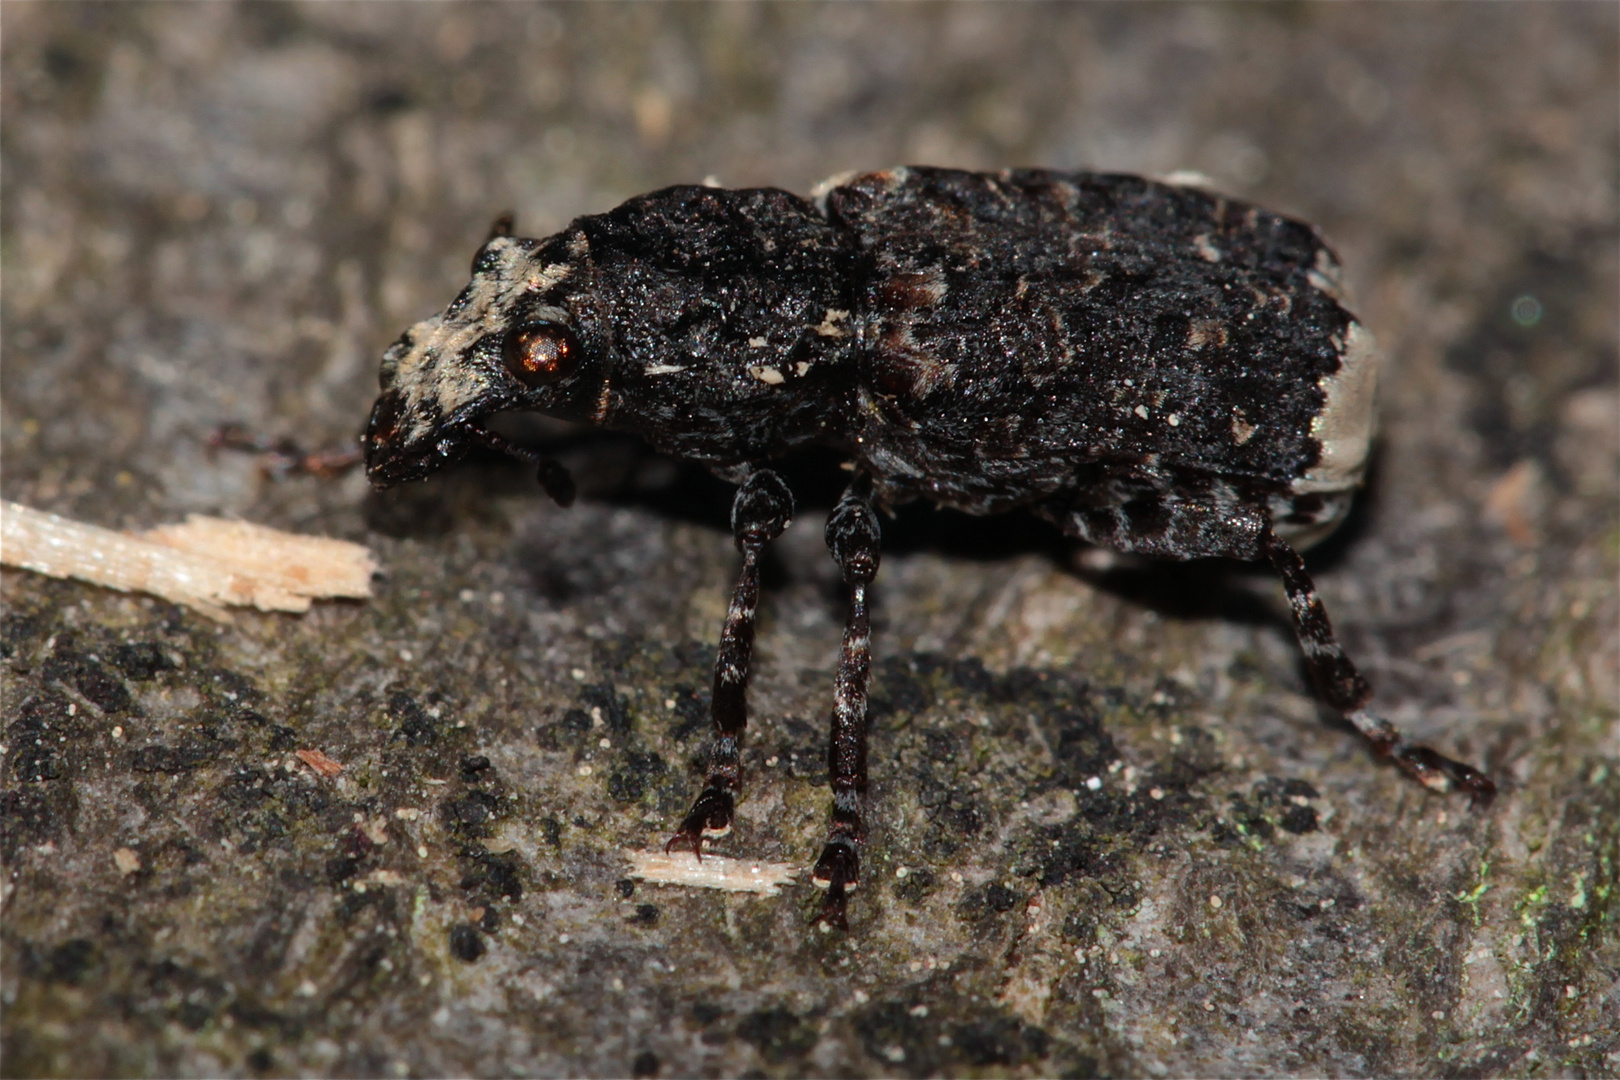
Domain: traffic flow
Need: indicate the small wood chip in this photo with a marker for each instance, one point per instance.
(127, 861)
(714, 872)
(206, 563)
(319, 762)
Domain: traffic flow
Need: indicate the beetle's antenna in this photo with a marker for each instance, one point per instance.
(502, 445)
(557, 481)
(501, 226)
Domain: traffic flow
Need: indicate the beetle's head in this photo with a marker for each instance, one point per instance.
(511, 340)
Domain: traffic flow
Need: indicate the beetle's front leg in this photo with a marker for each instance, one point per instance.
(762, 509)
(854, 537)
(1338, 680)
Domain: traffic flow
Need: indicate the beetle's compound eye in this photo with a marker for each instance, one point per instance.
(540, 352)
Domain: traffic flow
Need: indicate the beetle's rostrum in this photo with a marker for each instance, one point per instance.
(1153, 367)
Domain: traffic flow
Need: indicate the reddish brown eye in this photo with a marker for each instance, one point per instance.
(540, 352)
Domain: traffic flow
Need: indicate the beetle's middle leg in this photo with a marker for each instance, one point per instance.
(762, 509)
(854, 538)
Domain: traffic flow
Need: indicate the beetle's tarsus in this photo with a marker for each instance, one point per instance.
(1342, 685)
(1433, 769)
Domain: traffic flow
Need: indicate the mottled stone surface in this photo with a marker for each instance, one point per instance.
(1112, 834)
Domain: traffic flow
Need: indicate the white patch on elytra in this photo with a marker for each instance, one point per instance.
(930, 285)
(766, 374)
(1327, 276)
(1203, 332)
(888, 178)
(662, 369)
(819, 193)
(829, 323)
(1344, 425)
(1187, 178)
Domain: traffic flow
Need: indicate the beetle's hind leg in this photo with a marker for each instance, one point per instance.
(1338, 681)
(854, 538)
(762, 509)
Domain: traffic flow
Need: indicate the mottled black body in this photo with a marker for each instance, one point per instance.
(1150, 366)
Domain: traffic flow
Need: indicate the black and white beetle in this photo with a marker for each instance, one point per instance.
(1150, 366)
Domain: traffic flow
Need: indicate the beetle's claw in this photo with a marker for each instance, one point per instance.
(838, 871)
(692, 842)
(1437, 772)
(710, 815)
(833, 908)
(1481, 789)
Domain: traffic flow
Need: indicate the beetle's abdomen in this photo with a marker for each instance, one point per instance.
(1017, 326)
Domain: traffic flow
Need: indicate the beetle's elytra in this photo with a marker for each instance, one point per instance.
(1150, 366)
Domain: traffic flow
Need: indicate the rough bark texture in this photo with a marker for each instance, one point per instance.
(1111, 832)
